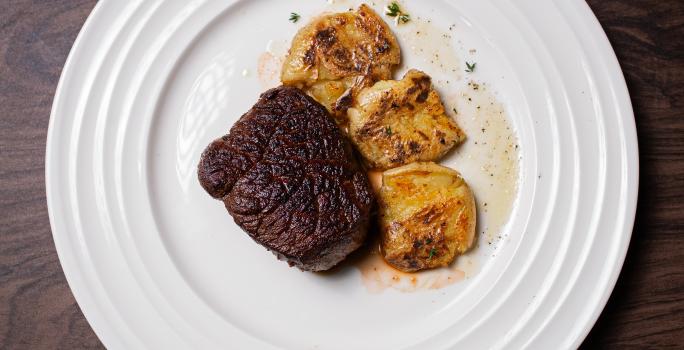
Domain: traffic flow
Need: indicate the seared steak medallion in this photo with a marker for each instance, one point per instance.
(289, 178)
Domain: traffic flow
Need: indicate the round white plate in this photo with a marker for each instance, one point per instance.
(155, 263)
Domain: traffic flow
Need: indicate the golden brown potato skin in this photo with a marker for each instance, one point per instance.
(337, 54)
(394, 122)
(427, 216)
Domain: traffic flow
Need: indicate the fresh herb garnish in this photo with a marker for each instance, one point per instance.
(294, 17)
(470, 67)
(388, 131)
(433, 251)
(393, 10)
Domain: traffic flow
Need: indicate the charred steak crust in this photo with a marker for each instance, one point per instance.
(289, 178)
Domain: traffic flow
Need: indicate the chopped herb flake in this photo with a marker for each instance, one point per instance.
(294, 17)
(393, 10)
(470, 67)
(433, 251)
(388, 131)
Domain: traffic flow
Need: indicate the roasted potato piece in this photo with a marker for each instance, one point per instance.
(328, 93)
(336, 55)
(427, 216)
(398, 122)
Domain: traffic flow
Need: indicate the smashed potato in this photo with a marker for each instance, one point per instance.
(395, 122)
(427, 216)
(336, 55)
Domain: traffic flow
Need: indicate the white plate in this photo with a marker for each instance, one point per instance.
(155, 263)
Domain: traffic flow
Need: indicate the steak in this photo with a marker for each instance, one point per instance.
(289, 178)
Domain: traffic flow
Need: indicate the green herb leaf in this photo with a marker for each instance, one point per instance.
(388, 131)
(294, 17)
(393, 9)
(433, 251)
(470, 67)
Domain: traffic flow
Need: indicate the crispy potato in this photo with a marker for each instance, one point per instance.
(394, 122)
(427, 216)
(336, 55)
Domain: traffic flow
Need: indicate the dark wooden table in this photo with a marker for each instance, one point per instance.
(38, 311)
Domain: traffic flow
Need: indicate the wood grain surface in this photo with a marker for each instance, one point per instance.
(38, 311)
